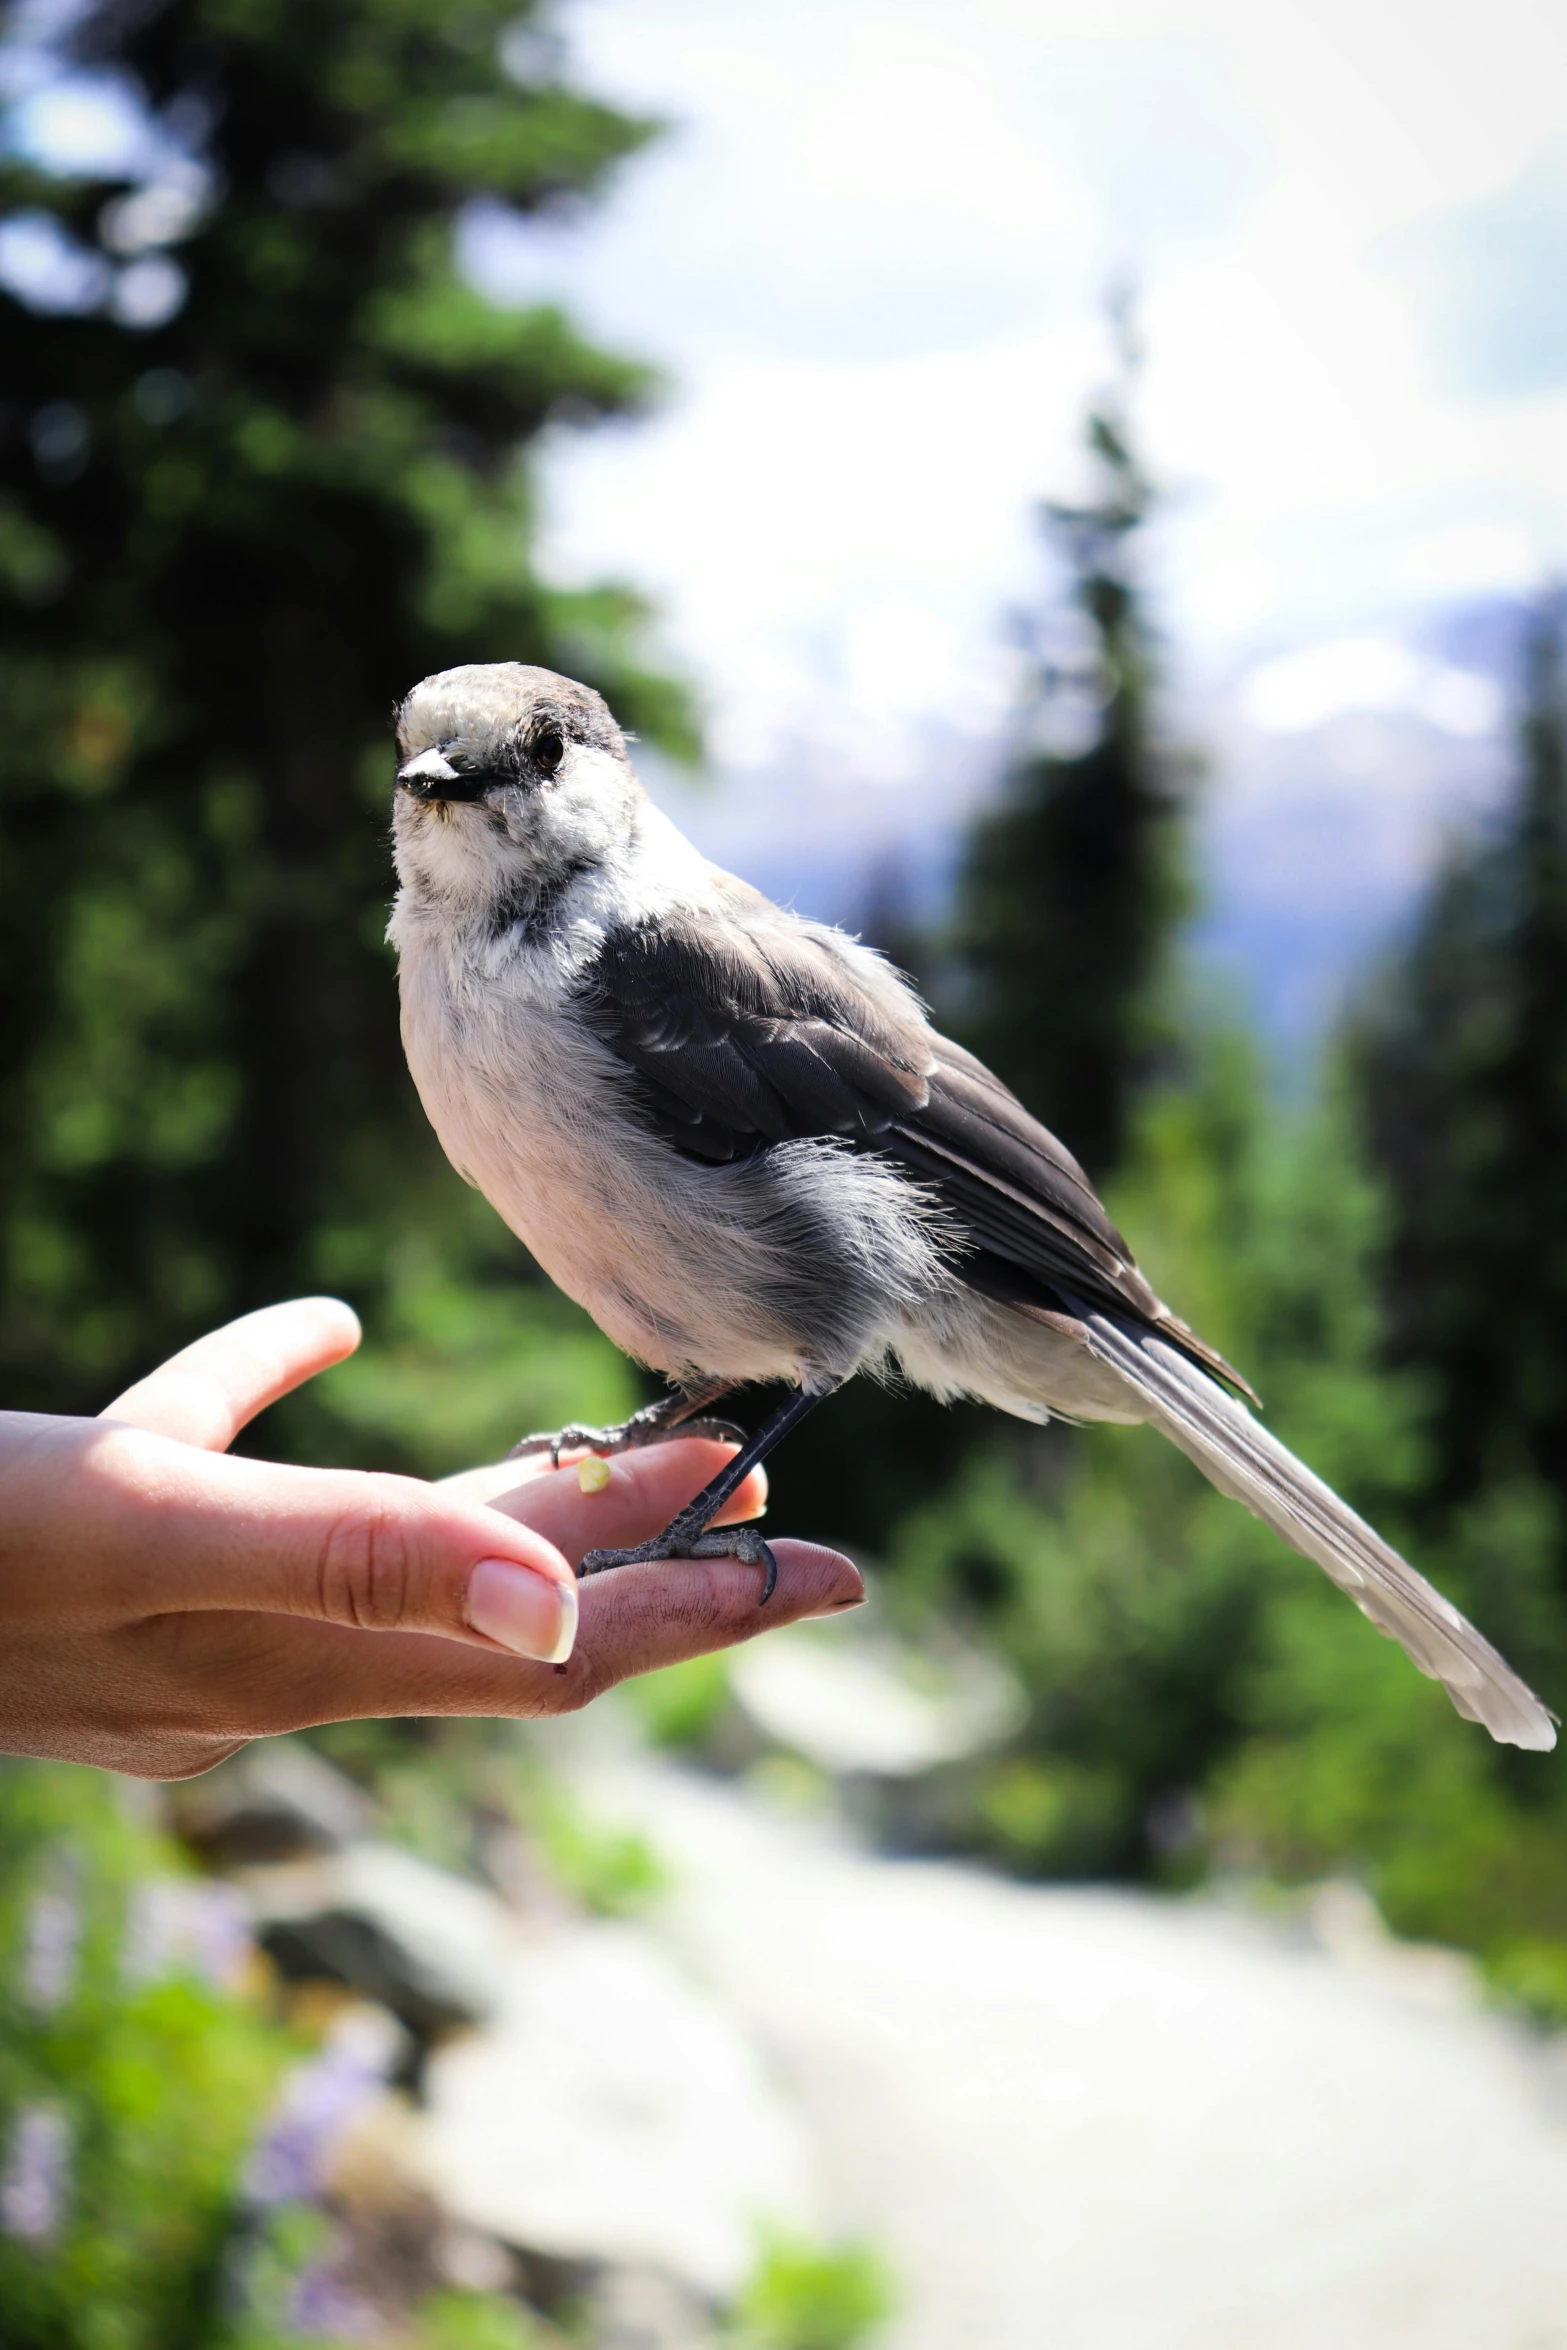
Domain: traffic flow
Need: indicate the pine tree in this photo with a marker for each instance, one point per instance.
(268, 471)
(1464, 1080)
(1073, 886)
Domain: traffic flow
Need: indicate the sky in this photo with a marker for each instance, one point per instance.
(870, 254)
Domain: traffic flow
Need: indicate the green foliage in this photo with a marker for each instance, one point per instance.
(683, 1704)
(1531, 1977)
(802, 2297)
(477, 2321)
(607, 1869)
(261, 2287)
(227, 543)
(445, 1786)
(152, 2089)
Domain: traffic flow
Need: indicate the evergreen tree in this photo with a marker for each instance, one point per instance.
(269, 470)
(1073, 886)
(1464, 1080)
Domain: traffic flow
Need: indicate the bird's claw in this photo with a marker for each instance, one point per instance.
(561, 1440)
(720, 1431)
(630, 1436)
(724, 1542)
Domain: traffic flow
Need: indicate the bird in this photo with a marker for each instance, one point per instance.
(733, 1135)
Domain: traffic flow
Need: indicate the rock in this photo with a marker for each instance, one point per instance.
(433, 1948)
(335, 1947)
(274, 1801)
(855, 1707)
(1090, 2117)
(642, 2309)
(613, 2113)
(607, 2120)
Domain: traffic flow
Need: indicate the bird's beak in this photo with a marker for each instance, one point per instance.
(432, 778)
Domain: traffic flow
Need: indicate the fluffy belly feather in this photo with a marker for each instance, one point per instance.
(784, 1268)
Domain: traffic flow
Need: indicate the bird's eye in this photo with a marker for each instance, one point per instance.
(548, 751)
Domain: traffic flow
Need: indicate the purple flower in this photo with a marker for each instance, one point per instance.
(319, 2099)
(180, 1925)
(54, 1928)
(36, 2179)
(322, 2304)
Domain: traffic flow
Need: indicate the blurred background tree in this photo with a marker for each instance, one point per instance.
(1075, 882)
(1463, 1077)
(247, 496)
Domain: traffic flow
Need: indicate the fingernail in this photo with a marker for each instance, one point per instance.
(530, 1614)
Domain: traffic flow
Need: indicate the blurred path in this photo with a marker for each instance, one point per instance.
(1080, 2120)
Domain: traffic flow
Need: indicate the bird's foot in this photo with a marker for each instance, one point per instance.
(724, 1542)
(652, 1425)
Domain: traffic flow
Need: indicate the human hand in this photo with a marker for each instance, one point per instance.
(162, 1602)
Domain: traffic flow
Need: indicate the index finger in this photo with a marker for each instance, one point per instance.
(206, 1393)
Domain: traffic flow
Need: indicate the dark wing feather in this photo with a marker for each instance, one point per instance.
(746, 1032)
(743, 1027)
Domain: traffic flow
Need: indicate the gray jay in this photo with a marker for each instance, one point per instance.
(734, 1137)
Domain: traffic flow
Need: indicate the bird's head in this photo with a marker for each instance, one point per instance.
(511, 781)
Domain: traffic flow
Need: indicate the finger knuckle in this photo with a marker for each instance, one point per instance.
(366, 1567)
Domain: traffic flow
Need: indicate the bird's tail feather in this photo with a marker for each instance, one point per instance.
(1242, 1459)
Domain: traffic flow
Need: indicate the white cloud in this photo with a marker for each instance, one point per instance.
(871, 253)
(1301, 691)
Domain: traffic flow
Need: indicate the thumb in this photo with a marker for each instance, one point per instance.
(201, 1531)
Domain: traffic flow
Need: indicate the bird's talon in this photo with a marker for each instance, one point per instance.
(720, 1431)
(555, 1441)
(599, 1562)
(737, 1542)
(745, 1544)
(644, 1428)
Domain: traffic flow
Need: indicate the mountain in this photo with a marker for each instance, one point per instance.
(1335, 770)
